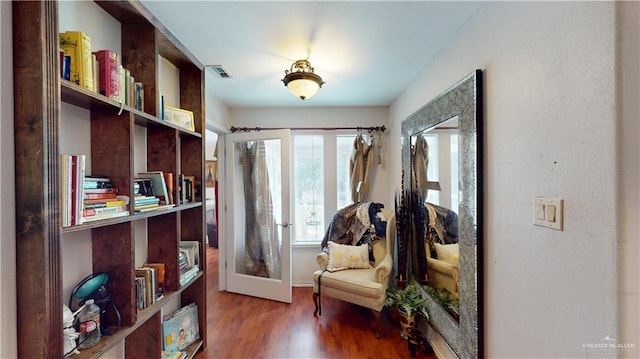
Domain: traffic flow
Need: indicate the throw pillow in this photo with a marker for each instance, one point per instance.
(343, 256)
(448, 252)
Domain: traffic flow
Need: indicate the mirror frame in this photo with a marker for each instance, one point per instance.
(464, 99)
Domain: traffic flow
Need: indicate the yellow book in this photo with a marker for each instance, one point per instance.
(77, 45)
(146, 207)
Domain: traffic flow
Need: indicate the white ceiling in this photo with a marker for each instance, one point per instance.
(367, 52)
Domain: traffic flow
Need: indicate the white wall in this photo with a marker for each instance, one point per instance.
(628, 78)
(216, 112)
(303, 256)
(550, 129)
(8, 348)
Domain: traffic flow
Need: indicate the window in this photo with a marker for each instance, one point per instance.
(320, 181)
(443, 168)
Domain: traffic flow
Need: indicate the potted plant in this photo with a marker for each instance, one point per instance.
(409, 302)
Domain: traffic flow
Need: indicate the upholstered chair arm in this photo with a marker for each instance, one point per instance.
(383, 269)
(443, 267)
(323, 260)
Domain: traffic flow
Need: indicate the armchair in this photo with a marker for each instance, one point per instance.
(443, 272)
(363, 287)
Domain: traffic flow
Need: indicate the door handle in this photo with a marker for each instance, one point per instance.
(283, 224)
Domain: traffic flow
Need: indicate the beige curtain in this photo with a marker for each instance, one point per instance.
(262, 250)
(360, 168)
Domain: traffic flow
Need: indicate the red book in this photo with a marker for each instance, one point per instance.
(108, 74)
(99, 195)
(100, 190)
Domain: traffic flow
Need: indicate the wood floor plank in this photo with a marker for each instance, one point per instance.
(246, 327)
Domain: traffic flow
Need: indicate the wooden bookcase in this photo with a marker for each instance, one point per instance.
(38, 94)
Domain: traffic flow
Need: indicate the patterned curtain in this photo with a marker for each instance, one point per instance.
(262, 250)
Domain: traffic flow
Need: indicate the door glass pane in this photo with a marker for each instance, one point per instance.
(258, 252)
(433, 173)
(308, 187)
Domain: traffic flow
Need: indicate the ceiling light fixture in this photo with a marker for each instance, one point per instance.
(301, 80)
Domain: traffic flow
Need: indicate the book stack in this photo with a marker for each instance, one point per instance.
(158, 185)
(131, 91)
(101, 200)
(99, 71)
(145, 203)
(149, 283)
(151, 191)
(180, 328)
(144, 198)
(188, 261)
(87, 198)
(160, 274)
(146, 283)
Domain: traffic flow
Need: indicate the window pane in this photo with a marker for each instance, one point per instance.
(344, 145)
(308, 187)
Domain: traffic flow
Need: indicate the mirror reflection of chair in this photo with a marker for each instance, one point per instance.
(441, 248)
(443, 271)
(365, 287)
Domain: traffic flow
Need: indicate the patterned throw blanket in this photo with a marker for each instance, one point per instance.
(356, 224)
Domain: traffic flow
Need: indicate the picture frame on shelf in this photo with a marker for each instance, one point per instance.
(179, 117)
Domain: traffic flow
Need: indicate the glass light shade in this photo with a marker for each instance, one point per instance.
(301, 80)
(303, 88)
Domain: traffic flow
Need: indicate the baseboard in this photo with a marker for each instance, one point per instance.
(441, 349)
(301, 285)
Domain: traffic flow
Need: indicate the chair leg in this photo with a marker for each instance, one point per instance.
(376, 318)
(315, 301)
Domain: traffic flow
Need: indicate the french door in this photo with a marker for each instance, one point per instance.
(258, 256)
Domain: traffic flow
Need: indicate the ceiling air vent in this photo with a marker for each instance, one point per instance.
(220, 71)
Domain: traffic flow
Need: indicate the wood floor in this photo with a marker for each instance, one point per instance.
(246, 327)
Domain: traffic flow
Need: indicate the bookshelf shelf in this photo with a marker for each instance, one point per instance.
(114, 141)
(107, 342)
(78, 96)
(130, 218)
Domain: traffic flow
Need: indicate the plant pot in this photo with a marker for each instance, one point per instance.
(407, 323)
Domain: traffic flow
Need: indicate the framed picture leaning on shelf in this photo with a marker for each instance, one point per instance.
(180, 117)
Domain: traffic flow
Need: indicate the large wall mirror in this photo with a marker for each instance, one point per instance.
(441, 160)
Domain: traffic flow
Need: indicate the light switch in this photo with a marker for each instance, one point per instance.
(548, 212)
(540, 211)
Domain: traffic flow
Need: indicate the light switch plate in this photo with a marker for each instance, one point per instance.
(547, 212)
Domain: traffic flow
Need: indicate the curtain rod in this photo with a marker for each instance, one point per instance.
(257, 129)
